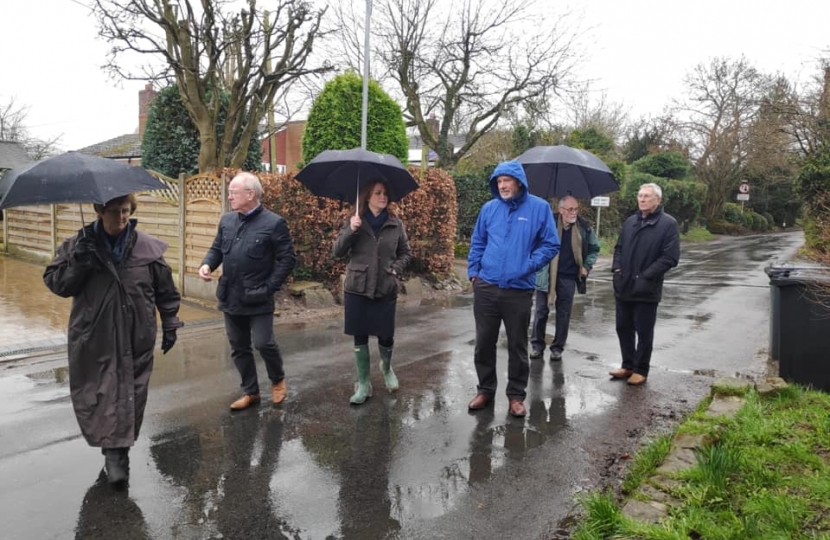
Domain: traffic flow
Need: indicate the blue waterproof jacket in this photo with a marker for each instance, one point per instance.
(512, 239)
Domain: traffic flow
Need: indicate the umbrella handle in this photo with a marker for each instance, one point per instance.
(83, 223)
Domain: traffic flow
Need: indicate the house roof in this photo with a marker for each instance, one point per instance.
(13, 155)
(125, 146)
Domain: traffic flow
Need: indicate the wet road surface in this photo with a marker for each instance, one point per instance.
(415, 464)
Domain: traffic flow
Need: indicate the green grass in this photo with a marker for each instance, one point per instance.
(763, 474)
(697, 234)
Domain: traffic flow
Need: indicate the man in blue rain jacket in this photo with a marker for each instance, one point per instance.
(514, 236)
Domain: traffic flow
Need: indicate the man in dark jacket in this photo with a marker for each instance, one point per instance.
(254, 247)
(557, 282)
(514, 237)
(647, 248)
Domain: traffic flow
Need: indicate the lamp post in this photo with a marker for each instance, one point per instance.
(365, 109)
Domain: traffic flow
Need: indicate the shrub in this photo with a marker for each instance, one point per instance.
(334, 120)
(171, 141)
(725, 227)
(672, 165)
(732, 213)
(428, 213)
(471, 192)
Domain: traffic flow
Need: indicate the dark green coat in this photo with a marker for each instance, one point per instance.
(372, 260)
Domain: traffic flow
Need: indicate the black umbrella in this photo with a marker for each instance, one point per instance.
(340, 174)
(556, 171)
(75, 177)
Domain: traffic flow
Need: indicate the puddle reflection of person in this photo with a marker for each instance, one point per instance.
(108, 513)
(365, 506)
(481, 447)
(546, 419)
(252, 447)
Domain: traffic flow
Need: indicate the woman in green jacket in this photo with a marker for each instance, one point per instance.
(375, 243)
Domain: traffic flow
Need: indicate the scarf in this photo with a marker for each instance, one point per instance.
(376, 222)
(576, 246)
(117, 244)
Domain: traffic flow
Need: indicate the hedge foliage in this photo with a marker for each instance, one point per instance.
(428, 213)
(472, 191)
(171, 144)
(814, 188)
(673, 165)
(335, 118)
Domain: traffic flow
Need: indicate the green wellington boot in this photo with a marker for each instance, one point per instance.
(362, 388)
(386, 368)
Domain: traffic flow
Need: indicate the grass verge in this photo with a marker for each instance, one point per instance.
(763, 474)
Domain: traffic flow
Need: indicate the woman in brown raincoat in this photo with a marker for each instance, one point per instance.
(117, 278)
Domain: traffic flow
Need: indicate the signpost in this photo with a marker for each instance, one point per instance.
(599, 202)
(743, 194)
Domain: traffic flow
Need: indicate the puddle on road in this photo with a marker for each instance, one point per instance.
(21, 392)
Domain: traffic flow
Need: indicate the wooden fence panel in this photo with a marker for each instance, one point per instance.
(29, 230)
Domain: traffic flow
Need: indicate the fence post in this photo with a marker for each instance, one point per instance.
(182, 234)
(53, 215)
(223, 194)
(5, 232)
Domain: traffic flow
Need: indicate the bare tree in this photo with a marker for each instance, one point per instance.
(13, 128)
(722, 102)
(210, 49)
(466, 63)
(584, 111)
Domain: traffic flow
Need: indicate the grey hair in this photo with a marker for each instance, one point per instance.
(562, 200)
(250, 181)
(657, 190)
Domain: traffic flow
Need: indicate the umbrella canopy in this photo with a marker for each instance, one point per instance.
(340, 174)
(556, 171)
(75, 177)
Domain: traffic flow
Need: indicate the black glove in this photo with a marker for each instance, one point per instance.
(84, 253)
(168, 339)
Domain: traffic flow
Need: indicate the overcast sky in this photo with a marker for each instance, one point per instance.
(639, 49)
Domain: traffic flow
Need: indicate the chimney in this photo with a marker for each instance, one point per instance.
(433, 126)
(145, 99)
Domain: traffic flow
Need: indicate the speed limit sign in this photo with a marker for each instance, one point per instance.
(743, 187)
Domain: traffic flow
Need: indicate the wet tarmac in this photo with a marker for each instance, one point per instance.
(415, 464)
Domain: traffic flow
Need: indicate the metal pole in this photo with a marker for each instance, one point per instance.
(364, 119)
(599, 213)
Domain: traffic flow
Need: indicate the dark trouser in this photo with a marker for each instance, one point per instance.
(565, 289)
(239, 329)
(491, 307)
(636, 318)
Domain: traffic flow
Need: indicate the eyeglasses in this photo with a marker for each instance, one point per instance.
(118, 211)
(569, 209)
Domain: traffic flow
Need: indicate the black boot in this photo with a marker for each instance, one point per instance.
(116, 465)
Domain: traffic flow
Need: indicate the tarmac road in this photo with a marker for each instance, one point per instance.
(415, 464)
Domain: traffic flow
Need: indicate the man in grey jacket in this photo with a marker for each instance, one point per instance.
(254, 247)
(566, 273)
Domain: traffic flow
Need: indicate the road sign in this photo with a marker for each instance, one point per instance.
(601, 201)
(743, 188)
(743, 196)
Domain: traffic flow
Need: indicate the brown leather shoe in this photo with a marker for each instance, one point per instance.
(636, 379)
(245, 401)
(621, 373)
(278, 392)
(517, 408)
(479, 402)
